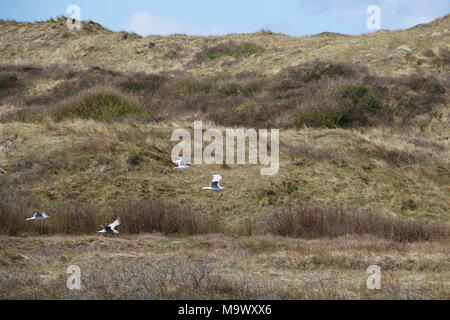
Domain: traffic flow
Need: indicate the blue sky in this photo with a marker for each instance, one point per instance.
(212, 17)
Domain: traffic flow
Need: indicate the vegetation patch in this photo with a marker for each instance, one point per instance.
(316, 70)
(362, 104)
(142, 83)
(316, 222)
(228, 49)
(244, 107)
(101, 105)
(8, 82)
(315, 94)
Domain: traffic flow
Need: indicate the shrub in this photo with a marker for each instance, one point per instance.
(74, 218)
(8, 82)
(316, 222)
(99, 104)
(234, 89)
(329, 118)
(361, 105)
(360, 96)
(228, 49)
(156, 215)
(142, 83)
(430, 86)
(316, 93)
(15, 207)
(203, 86)
(316, 70)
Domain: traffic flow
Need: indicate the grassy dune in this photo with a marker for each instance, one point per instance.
(85, 126)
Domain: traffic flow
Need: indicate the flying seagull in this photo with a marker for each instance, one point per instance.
(215, 186)
(38, 216)
(111, 228)
(182, 164)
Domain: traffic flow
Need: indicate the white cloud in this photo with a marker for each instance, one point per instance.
(146, 24)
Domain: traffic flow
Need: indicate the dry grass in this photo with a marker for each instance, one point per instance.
(107, 162)
(228, 49)
(218, 267)
(25, 43)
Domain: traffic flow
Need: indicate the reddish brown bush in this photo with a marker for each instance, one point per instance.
(316, 222)
(156, 215)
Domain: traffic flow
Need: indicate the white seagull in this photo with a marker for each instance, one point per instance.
(182, 164)
(215, 186)
(111, 228)
(38, 216)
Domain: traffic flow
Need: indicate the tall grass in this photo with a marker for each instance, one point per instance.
(316, 222)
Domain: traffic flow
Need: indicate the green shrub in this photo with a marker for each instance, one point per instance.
(362, 103)
(99, 105)
(360, 96)
(230, 49)
(235, 89)
(212, 86)
(326, 117)
(8, 82)
(204, 86)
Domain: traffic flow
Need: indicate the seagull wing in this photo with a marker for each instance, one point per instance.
(115, 224)
(182, 161)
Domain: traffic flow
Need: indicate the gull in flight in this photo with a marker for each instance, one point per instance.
(38, 216)
(215, 186)
(182, 164)
(111, 228)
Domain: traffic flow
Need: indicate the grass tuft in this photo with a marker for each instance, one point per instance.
(99, 104)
